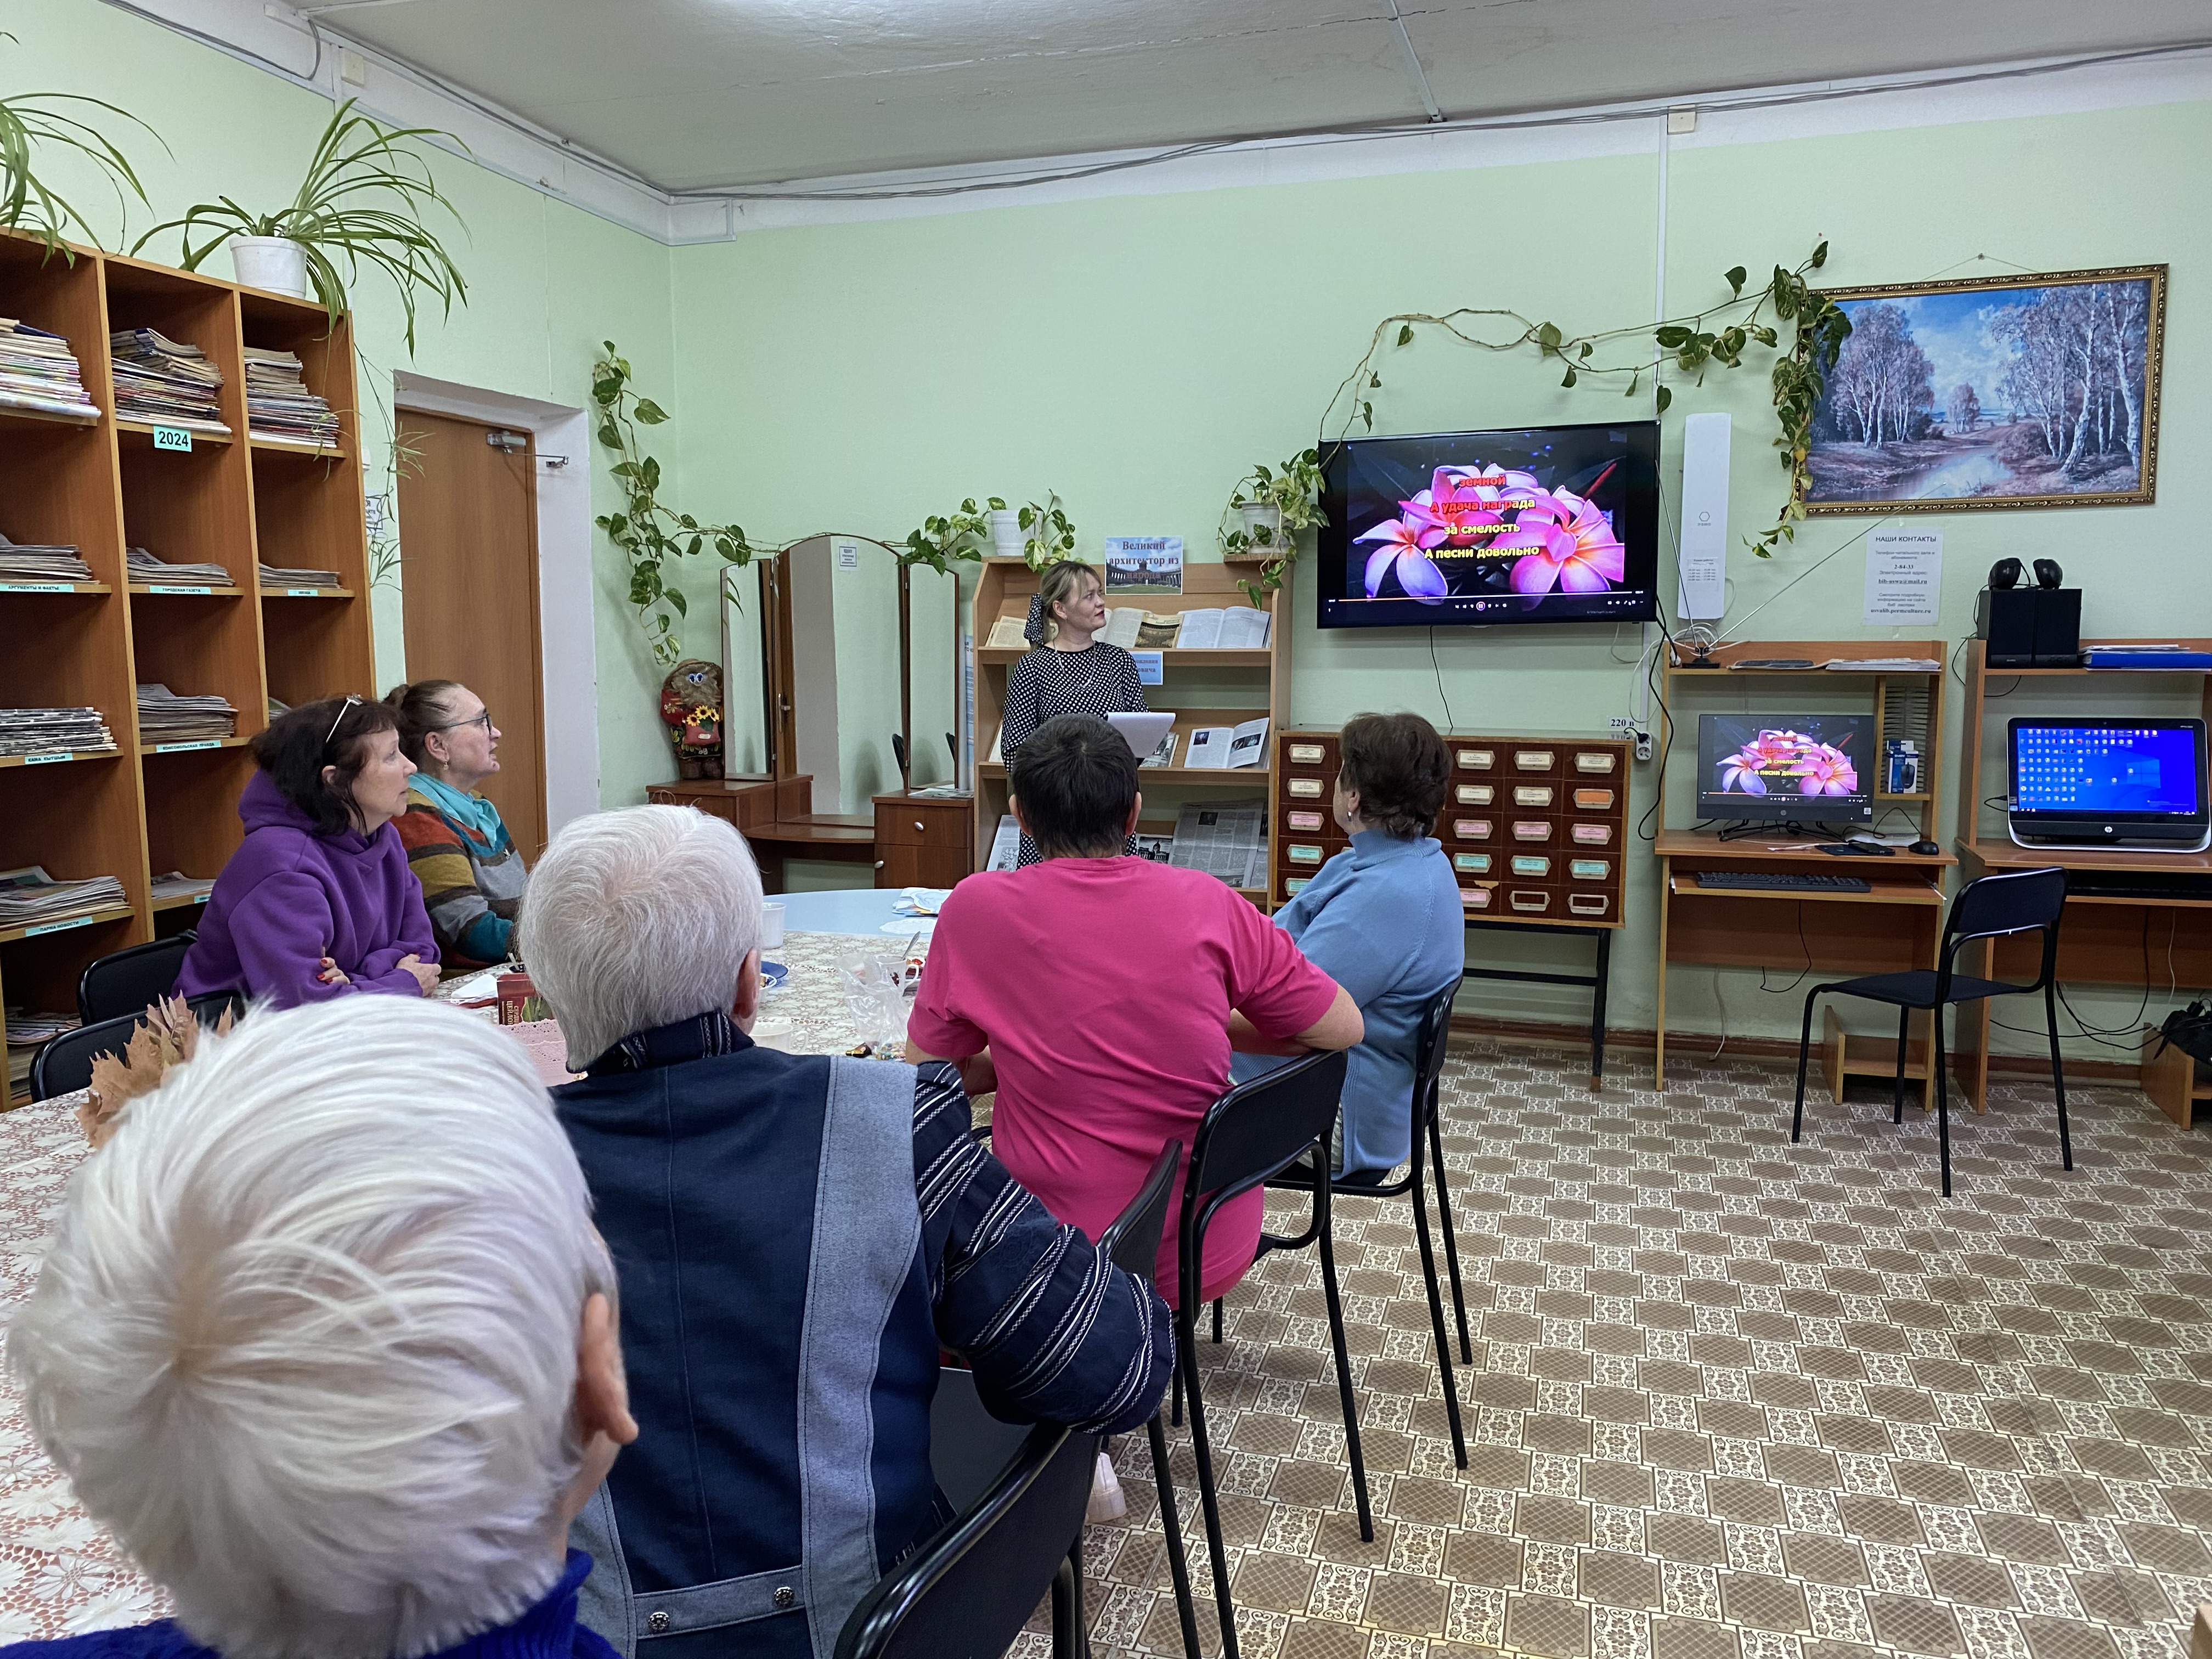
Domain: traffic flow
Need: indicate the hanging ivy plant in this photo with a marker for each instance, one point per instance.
(1719, 334)
(944, 538)
(649, 532)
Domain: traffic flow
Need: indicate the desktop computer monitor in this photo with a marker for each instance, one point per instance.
(2137, 783)
(1773, 768)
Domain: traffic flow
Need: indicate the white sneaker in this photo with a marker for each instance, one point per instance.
(1107, 1502)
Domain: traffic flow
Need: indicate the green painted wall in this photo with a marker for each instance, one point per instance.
(547, 283)
(1135, 354)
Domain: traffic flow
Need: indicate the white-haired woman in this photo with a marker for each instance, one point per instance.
(325, 1340)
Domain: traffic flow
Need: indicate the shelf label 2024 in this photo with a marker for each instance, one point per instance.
(173, 437)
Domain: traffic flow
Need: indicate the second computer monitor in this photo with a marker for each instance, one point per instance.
(1806, 768)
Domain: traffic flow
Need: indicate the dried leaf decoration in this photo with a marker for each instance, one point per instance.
(167, 1036)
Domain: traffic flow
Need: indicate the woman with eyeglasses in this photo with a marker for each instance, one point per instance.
(319, 902)
(470, 870)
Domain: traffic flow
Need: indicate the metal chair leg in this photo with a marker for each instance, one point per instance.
(1437, 1317)
(2057, 1073)
(1343, 1371)
(1451, 1238)
(1804, 1056)
(1942, 1094)
(1217, 1319)
(1066, 1622)
(1163, 1479)
(1081, 1647)
(1904, 1043)
(1210, 1504)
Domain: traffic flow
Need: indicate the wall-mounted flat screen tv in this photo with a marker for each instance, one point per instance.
(1542, 525)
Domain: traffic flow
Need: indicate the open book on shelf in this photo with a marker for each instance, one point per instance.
(1244, 744)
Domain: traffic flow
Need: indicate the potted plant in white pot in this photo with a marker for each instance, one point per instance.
(1271, 504)
(362, 201)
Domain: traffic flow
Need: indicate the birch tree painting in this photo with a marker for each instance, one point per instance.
(2029, 392)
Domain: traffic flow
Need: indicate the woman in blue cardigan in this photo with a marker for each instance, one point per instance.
(1383, 920)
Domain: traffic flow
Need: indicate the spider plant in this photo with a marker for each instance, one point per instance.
(26, 201)
(363, 202)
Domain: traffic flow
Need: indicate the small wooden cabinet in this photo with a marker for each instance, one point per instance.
(924, 841)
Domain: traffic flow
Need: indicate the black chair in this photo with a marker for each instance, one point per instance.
(1431, 1041)
(1133, 1242)
(1258, 1129)
(124, 981)
(971, 1589)
(64, 1064)
(2017, 901)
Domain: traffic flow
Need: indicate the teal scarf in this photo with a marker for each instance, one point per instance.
(471, 812)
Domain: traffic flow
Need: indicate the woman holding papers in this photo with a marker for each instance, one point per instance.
(1069, 670)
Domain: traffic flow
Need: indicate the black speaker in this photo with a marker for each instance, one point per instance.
(2030, 627)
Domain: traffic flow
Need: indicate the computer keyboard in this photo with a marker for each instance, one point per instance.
(1782, 881)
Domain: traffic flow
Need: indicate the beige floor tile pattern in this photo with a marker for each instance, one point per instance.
(1731, 1397)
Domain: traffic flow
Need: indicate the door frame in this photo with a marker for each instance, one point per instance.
(567, 651)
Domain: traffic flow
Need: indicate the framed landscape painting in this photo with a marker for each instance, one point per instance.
(2033, 391)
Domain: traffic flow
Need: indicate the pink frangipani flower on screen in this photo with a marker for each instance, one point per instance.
(1405, 546)
(1824, 770)
(1576, 550)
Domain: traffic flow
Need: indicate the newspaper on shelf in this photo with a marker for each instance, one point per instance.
(274, 575)
(145, 567)
(39, 373)
(167, 382)
(42, 562)
(177, 884)
(278, 403)
(165, 717)
(1227, 840)
(29, 897)
(53, 731)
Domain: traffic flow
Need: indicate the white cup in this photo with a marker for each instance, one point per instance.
(771, 925)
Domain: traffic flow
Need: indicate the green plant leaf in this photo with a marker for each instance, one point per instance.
(1367, 415)
(1819, 256)
(1664, 397)
(1736, 278)
(649, 413)
(1672, 336)
(1405, 334)
(1570, 380)
(1635, 380)
(1549, 337)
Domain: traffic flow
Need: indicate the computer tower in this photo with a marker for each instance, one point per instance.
(2030, 627)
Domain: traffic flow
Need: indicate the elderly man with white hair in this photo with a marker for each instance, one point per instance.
(325, 1340)
(796, 1236)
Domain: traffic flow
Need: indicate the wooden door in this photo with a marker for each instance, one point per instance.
(468, 534)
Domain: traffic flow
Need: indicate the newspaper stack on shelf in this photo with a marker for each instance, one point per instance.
(27, 1033)
(53, 731)
(177, 884)
(159, 380)
(38, 562)
(165, 717)
(37, 371)
(278, 403)
(29, 897)
(277, 576)
(145, 567)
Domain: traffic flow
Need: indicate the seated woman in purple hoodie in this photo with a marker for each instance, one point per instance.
(319, 902)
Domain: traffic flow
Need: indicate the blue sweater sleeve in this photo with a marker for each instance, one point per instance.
(1361, 936)
(1055, 1331)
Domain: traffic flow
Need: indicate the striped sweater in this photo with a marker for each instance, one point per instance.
(471, 887)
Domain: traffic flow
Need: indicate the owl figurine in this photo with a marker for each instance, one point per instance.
(691, 704)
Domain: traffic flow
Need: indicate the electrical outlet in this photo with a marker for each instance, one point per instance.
(1643, 745)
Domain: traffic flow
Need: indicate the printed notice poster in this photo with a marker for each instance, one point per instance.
(1143, 564)
(1904, 577)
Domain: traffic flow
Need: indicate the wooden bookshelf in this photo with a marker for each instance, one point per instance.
(1205, 687)
(101, 485)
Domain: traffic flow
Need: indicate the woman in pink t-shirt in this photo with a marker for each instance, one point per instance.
(1093, 992)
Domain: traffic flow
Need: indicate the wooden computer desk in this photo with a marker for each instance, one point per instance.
(2135, 940)
(1897, 925)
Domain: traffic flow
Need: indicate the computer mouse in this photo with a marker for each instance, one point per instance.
(1927, 849)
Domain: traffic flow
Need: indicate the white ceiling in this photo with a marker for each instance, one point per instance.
(693, 93)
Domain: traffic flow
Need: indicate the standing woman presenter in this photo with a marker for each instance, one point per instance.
(1068, 670)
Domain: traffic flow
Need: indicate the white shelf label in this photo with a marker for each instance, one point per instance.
(174, 748)
(160, 587)
(56, 927)
(50, 758)
(38, 587)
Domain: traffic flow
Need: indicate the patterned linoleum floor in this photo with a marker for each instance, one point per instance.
(1731, 1397)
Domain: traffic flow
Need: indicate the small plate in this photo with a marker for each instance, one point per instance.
(774, 973)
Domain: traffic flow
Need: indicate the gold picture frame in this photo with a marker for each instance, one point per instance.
(1982, 393)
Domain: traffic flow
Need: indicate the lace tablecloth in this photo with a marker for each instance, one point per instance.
(59, 1573)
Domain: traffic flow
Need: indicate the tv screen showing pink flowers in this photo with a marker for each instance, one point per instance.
(1806, 768)
(1552, 523)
